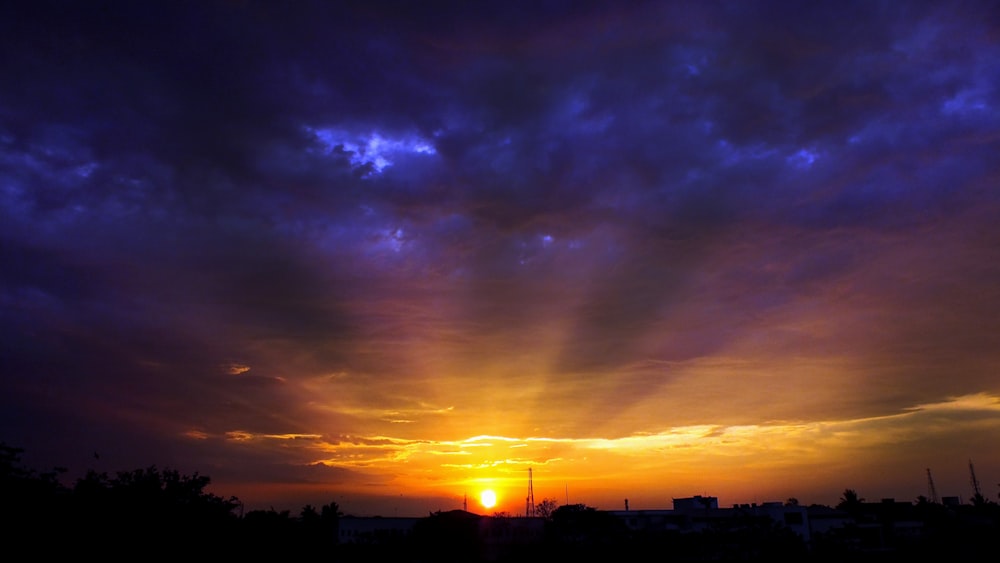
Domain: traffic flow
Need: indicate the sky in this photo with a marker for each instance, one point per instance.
(392, 254)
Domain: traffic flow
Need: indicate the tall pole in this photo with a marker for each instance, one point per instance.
(529, 510)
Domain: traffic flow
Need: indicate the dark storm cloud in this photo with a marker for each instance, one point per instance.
(222, 115)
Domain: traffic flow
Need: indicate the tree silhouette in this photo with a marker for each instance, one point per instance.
(545, 508)
(163, 511)
(309, 513)
(319, 527)
(331, 512)
(31, 502)
(850, 501)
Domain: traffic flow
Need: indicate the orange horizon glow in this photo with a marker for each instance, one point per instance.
(738, 463)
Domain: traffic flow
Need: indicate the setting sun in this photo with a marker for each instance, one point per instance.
(488, 499)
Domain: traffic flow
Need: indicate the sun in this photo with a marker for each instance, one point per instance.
(488, 498)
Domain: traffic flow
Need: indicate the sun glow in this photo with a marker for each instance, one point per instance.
(488, 498)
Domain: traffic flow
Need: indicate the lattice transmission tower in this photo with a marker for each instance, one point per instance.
(975, 483)
(931, 490)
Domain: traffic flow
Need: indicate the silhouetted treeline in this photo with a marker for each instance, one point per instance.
(146, 512)
(158, 513)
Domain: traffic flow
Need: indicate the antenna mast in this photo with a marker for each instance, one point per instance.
(529, 509)
(930, 487)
